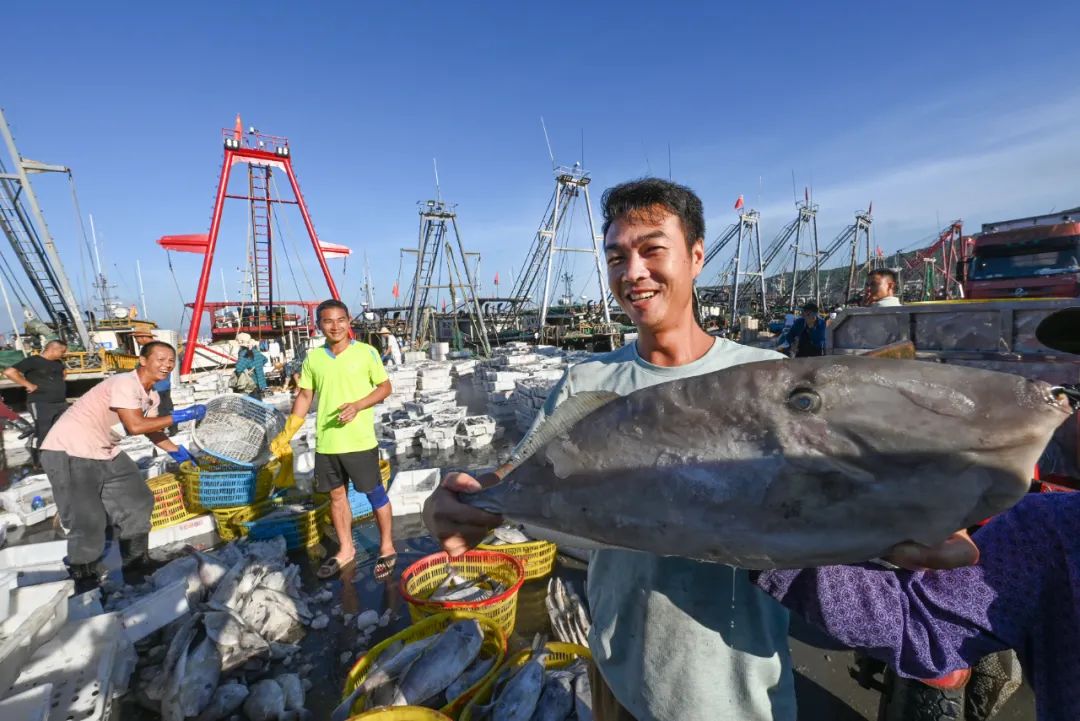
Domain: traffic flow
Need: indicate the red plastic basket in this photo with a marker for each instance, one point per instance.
(421, 578)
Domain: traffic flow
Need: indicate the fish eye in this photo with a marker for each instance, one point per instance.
(804, 400)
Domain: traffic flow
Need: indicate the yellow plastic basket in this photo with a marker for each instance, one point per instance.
(169, 507)
(560, 655)
(402, 713)
(420, 580)
(230, 521)
(302, 530)
(538, 557)
(494, 646)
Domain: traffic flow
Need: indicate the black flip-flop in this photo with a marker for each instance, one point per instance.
(332, 567)
(384, 566)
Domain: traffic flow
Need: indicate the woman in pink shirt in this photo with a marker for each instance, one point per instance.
(94, 483)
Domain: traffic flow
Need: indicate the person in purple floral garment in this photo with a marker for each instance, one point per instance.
(1023, 594)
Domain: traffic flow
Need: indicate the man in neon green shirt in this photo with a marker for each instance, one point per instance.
(350, 380)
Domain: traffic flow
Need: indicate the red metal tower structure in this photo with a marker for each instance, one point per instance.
(262, 153)
(950, 246)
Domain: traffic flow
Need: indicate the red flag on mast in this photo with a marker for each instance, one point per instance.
(739, 203)
(496, 277)
(395, 291)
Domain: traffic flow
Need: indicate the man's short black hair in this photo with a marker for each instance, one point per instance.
(641, 196)
(327, 305)
(888, 273)
(55, 341)
(810, 306)
(147, 349)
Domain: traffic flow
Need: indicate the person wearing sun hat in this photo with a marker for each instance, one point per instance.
(391, 347)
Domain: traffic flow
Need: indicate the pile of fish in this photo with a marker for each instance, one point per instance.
(457, 588)
(533, 692)
(569, 620)
(232, 651)
(432, 671)
(780, 464)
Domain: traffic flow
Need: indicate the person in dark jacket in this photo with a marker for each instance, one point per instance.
(807, 334)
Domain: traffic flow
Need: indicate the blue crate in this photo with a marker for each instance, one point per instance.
(361, 506)
(204, 488)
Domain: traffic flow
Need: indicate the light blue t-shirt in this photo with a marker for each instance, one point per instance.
(675, 639)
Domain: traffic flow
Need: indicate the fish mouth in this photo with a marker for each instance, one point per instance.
(1064, 397)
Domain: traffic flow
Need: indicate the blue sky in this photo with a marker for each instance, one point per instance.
(933, 111)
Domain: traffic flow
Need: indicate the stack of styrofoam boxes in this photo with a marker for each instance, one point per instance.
(498, 375)
(428, 403)
(413, 356)
(19, 498)
(439, 434)
(434, 376)
(410, 489)
(462, 371)
(403, 381)
(17, 450)
(404, 433)
(151, 462)
(183, 394)
(282, 400)
(530, 394)
(475, 432)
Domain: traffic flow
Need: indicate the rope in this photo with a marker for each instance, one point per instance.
(12, 280)
(292, 273)
(179, 294)
(87, 294)
(288, 238)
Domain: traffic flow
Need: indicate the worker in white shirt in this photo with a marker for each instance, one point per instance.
(880, 290)
(391, 347)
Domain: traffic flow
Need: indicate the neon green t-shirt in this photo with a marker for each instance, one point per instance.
(340, 379)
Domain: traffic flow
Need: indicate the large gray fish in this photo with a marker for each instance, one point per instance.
(517, 701)
(556, 701)
(781, 464)
(479, 668)
(446, 659)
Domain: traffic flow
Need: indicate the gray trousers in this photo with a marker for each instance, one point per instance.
(90, 493)
(45, 415)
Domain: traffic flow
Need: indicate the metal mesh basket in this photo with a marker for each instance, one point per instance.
(238, 429)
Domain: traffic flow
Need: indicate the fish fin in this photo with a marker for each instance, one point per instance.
(568, 413)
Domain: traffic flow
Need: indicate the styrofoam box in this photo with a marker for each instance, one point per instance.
(31, 705)
(410, 489)
(18, 498)
(10, 498)
(37, 613)
(194, 528)
(36, 562)
(78, 663)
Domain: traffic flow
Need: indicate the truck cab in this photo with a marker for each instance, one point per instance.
(1037, 257)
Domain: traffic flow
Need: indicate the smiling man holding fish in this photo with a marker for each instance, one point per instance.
(688, 448)
(673, 638)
